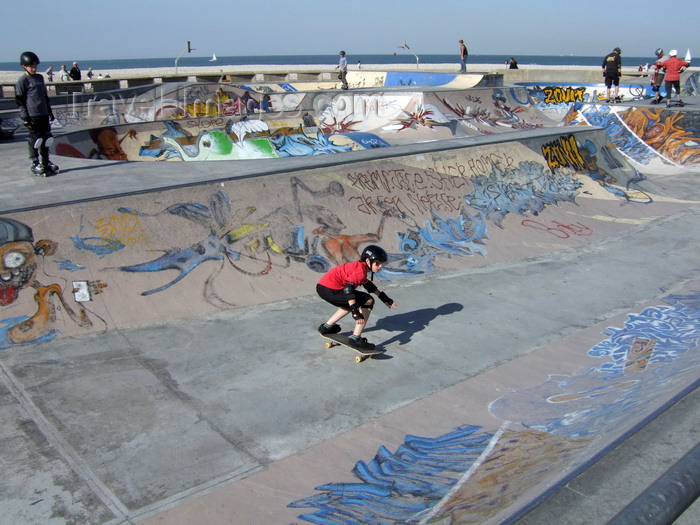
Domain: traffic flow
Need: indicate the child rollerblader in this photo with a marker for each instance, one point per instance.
(339, 287)
(35, 112)
(658, 78)
(673, 66)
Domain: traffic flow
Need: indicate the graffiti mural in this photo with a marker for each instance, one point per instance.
(20, 261)
(243, 241)
(470, 474)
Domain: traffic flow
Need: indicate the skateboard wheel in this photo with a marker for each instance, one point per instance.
(329, 345)
(359, 359)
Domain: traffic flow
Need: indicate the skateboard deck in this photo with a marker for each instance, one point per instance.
(343, 340)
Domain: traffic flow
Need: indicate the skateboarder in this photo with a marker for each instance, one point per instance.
(612, 69)
(35, 112)
(673, 66)
(339, 285)
(658, 78)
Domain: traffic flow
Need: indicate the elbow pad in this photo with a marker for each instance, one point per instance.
(370, 287)
(349, 288)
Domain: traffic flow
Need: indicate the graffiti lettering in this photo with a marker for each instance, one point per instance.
(562, 231)
(206, 123)
(563, 153)
(124, 228)
(484, 164)
(562, 95)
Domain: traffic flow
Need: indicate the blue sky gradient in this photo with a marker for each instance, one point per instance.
(84, 29)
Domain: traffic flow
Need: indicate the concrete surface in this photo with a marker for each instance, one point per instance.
(521, 358)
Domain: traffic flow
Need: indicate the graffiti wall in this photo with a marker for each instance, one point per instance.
(217, 122)
(547, 432)
(139, 259)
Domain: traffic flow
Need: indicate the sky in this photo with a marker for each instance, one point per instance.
(84, 29)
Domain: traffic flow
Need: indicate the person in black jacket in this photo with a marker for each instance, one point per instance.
(612, 70)
(35, 111)
(74, 72)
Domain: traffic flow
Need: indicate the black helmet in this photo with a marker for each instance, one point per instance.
(659, 52)
(374, 253)
(28, 58)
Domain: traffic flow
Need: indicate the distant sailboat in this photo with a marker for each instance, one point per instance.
(687, 55)
(213, 58)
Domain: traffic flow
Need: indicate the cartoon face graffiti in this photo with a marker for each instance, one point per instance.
(18, 258)
(18, 269)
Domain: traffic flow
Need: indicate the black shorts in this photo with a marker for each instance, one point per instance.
(612, 79)
(340, 299)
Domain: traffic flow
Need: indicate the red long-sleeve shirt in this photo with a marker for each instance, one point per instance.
(352, 272)
(673, 66)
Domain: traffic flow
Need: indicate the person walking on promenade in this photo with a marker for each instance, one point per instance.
(75, 72)
(658, 77)
(49, 73)
(463, 54)
(35, 111)
(343, 67)
(512, 63)
(673, 66)
(63, 75)
(612, 70)
(339, 285)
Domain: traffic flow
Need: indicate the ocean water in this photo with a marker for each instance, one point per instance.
(399, 58)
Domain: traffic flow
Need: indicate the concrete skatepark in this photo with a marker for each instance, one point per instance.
(543, 256)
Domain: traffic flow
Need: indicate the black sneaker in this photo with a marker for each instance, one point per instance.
(328, 331)
(361, 344)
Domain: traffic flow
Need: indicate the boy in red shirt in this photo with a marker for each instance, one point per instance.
(339, 285)
(673, 66)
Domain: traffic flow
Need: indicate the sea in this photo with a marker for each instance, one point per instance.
(399, 58)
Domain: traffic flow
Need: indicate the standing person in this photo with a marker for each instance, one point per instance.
(339, 285)
(75, 72)
(512, 64)
(89, 73)
(63, 75)
(612, 70)
(673, 66)
(343, 67)
(49, 73)
(463, 54)
(35, 111)
(658, 77)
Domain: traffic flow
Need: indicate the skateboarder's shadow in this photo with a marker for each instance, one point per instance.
(409, 323)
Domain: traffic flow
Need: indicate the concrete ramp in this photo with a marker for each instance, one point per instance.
(159, 355)
(232, 242)
(233, 124)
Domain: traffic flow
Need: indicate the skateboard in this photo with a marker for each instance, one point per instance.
(674, 104)
(343, 340)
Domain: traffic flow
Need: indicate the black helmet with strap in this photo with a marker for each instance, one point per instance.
(28, 58)
(374, 253)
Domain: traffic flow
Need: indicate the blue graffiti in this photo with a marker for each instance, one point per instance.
(527, 189)
(69, 265)
(97, 245)
(300, 145)
(402, 486)
(608, 397)
(620, 134)
(216, 217)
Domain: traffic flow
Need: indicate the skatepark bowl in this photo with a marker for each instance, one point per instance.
(159, 357)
